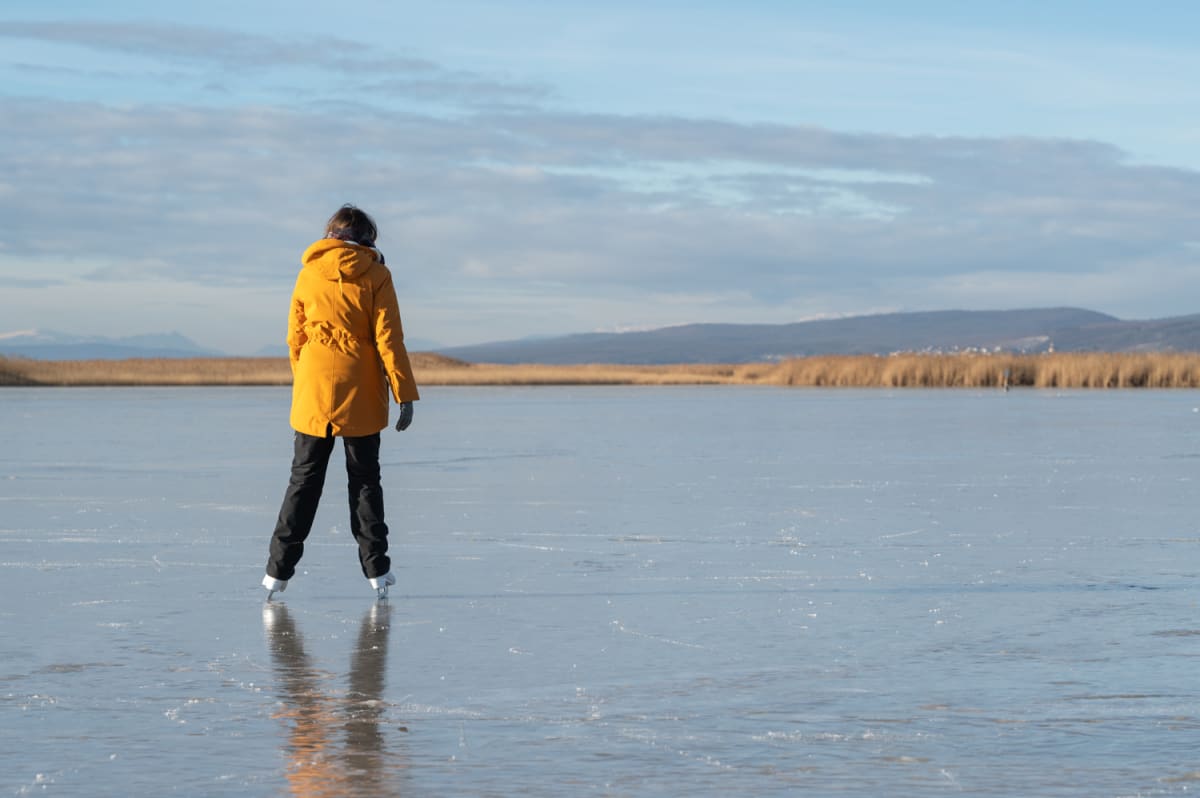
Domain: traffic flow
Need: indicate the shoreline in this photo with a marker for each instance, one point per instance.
(1059, 370)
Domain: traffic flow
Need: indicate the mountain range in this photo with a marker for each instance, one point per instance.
(1040, 330)
(1037, 330)
(52, 345)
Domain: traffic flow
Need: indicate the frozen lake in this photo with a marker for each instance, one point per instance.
(610, 592)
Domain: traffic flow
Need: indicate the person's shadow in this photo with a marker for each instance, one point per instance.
(315, 712)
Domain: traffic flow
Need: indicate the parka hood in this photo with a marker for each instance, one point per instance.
(339, 260)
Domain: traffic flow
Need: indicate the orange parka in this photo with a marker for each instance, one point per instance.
(345, 342)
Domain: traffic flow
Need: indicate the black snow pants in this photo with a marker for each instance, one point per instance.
(304, 488)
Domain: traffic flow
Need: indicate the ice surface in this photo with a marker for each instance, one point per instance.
(609, 591)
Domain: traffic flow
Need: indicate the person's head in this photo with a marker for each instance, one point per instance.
(353, 224)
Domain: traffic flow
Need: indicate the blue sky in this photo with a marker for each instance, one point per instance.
(542, 168)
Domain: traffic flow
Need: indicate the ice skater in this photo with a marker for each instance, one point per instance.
(346, 347)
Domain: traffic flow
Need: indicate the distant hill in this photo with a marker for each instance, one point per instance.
(51, 345)
(1061, 329)
(1176, 334)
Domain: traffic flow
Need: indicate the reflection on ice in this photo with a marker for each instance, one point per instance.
(335, 744)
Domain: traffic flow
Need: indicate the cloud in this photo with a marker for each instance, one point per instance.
(227, 48)
(242, 58)
(565, 218)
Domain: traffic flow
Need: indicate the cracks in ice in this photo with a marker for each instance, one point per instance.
(620, 627)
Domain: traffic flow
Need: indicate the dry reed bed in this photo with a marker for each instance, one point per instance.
(594, 374)
(1067, 370)
(148, 371)
(1064, 370)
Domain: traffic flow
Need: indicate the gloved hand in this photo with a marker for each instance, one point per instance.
(406, 414)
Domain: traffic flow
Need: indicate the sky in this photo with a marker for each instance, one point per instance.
(545, 167)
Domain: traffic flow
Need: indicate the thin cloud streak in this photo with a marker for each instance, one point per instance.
(220, 46)
(241, 58)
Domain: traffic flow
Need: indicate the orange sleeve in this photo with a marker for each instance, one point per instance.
(389, 341)
(296, 337)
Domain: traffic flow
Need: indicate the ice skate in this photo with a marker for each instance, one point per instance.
(273, 585)
(382, 583)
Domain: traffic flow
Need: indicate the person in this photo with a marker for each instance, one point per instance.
(346, 346)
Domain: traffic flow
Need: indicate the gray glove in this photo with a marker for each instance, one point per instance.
(406, 414)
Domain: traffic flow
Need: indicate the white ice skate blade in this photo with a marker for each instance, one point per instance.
(382, 583)
(273, 585)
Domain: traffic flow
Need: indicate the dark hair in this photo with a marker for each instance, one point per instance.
(353, 223)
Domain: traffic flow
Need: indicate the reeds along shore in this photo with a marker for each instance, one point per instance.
(1068, 370)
